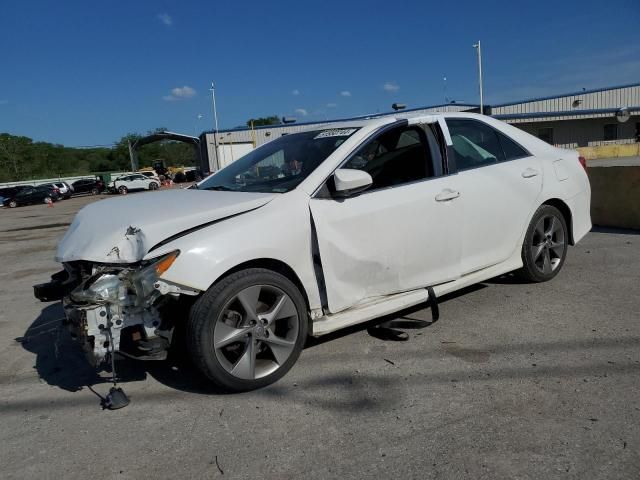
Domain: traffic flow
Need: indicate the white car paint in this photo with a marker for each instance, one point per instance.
(378, 250)
(97, 235)
(134, 181)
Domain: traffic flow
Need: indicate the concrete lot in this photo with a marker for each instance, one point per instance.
(514, 381)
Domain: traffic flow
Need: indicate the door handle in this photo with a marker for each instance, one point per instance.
(446, 195)
(530, 172)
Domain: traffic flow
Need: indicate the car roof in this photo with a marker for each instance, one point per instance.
(384, 119)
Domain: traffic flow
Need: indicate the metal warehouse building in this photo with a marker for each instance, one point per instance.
(580, 119)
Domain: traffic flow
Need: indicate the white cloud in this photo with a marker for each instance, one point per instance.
(166, 19)
(301, 111)
(345, 93)
(295, 92)
(332, 105)
(391, 87)
(180, 93)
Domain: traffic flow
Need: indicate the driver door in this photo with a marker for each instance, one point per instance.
(399, 235)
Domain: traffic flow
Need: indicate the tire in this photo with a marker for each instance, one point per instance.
(122, 190)
(47, 200)
(545, 245)
(153, 186)
(223, 315)
(95, 191)
(13, 204)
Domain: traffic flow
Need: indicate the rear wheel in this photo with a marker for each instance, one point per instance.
(13, 204)
(122, 190)
(48, 200)
(545, 245)
(248, 330)
(153, 186)
(95, 191)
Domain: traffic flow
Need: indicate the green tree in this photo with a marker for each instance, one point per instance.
(258, 122)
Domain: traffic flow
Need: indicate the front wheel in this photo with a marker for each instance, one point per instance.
(153, 186)
(122, 190)
(13, 204)
(545, 245)
(95, 191)
(248, 330)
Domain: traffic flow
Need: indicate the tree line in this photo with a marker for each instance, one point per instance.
(23, 159)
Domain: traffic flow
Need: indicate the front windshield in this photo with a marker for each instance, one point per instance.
(280, 165)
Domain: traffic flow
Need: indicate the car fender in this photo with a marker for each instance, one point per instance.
(281, 231)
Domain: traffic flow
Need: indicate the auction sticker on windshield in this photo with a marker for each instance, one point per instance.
(336, 132)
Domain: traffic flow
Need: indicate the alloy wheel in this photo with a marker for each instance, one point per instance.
(256, 332)
(548, 244)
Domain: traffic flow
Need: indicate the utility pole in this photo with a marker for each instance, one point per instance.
(478, 47)
(215, 120)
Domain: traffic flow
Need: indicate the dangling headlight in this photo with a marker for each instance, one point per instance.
(106, 288)
(143, 280)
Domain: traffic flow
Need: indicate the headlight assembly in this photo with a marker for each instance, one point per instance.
(116, 286)
(143, 280)
(106, 288)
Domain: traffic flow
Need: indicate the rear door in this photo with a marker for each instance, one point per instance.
(400, 234)
(25, 195)
(500, 183)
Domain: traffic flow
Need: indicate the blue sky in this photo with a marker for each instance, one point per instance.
(87, 72)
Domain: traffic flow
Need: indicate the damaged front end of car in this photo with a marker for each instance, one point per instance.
(125, 308)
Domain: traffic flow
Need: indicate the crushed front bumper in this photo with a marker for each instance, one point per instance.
(115, 308)
(101, 329)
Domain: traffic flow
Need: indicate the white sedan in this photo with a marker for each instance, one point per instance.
(316, 231)
(135, 181)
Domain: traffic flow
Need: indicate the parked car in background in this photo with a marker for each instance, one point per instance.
(136, 181)
(317, 231)
(88, 185)
(152, 175)
(29, 195)
(9, 192)
(66, 190)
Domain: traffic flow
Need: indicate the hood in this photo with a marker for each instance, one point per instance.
(123, 229)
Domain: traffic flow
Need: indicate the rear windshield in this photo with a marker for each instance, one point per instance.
(280, 165)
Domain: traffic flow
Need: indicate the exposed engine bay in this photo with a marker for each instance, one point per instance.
(123, 308)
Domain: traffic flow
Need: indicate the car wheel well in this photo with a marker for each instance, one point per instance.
(274, 265)
(566, 212)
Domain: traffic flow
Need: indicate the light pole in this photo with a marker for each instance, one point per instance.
(479, 49)
(198, 117)
(215, 120)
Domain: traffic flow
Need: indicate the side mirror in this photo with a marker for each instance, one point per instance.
(349, 181)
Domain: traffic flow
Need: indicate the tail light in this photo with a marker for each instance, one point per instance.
(583, 162)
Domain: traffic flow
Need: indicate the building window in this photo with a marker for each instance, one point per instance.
(546, 134)
(611, 131)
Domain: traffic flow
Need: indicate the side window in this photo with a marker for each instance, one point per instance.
(475, 143)
(511, 149)
(395, 157)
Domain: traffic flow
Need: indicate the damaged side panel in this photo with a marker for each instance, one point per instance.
(395, 239)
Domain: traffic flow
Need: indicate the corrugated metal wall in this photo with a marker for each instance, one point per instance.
(583, 133)
(628, 96)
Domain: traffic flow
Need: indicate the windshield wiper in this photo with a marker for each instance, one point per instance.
(221, 188)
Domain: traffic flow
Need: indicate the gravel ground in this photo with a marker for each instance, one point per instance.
(514, 381)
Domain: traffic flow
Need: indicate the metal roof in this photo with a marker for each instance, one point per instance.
(565, 113)
(570, 94)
